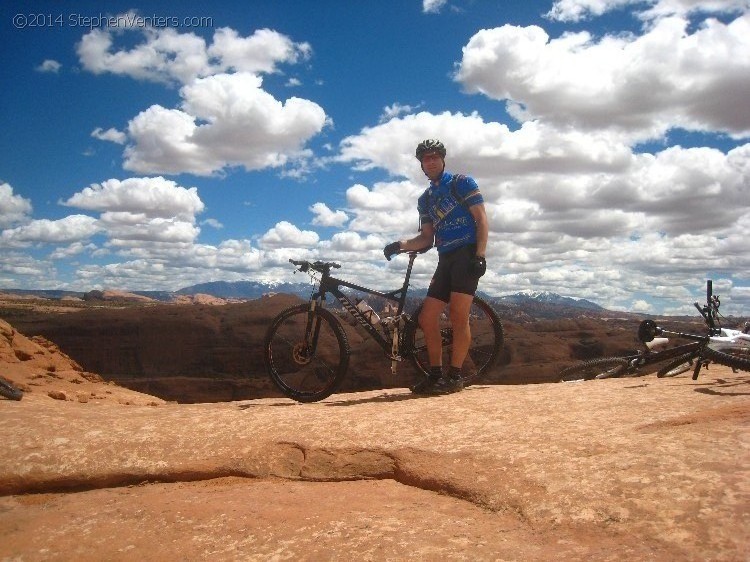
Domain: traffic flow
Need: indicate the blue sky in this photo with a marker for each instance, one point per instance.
(153, 146)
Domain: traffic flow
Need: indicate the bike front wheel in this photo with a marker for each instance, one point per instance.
(594, 369)
(306, 353)
(736, 359)
(484, 347)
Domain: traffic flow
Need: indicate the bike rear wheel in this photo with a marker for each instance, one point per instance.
(10, 391)
(306, 353)
(737, 360)
(595, 369)
(484, 348)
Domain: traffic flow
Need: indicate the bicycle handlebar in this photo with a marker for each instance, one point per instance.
(320, 266)
(326, 266)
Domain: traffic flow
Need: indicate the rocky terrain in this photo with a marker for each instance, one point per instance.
(636, 469)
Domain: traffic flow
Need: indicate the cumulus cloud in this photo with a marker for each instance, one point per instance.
(225, 120)
(286, 235)
(165, 55)
(640, 86)
(13, 208)
(324, 216)
(432, 6)
(111, 135)
(147, 197)
(135, 211)
(69, 229)
(577, 10)
(49, 65)
(490, 150)
(395, 110)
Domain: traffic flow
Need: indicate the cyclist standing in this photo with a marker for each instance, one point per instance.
(451, 217)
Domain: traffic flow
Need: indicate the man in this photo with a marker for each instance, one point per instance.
(453, 218)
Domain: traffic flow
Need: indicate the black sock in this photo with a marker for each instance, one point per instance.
(436, 372)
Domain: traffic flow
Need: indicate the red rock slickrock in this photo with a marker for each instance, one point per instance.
(619, 469)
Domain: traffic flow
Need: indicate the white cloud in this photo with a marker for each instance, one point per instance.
(13, 208)
(489, 151)
(150, 197)
(166, 55)
(259, 53)
(638, 86)
(49, 65)
(213, 223)
(326, 217)
(111, 135)
(395, 110)
(432, 6)
(225, 120)
(577, 10)
(68, 229)
(286, 235)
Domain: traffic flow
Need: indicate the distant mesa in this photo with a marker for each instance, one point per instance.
(109, 296)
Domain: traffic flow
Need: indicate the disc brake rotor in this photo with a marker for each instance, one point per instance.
(301, 354)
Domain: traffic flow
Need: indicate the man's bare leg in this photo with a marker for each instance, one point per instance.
(429, 321)
(460, 305)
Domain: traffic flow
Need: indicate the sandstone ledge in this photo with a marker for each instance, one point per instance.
(638, 469)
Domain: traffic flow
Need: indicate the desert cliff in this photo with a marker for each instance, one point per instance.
(636, 469)
(206, 353)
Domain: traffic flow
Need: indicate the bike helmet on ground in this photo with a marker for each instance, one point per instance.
(430, 145)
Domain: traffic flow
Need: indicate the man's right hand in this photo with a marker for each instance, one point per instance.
(391, 249)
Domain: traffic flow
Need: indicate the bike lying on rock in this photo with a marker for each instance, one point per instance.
(720, 345)
(306, 351)
(10, 391)
(731, 342)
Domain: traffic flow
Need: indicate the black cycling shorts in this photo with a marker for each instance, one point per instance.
(452, 274)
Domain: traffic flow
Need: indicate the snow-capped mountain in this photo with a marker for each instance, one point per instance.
(246, 289)
(547, 297)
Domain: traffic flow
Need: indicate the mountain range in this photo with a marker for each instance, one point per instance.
(245, 290)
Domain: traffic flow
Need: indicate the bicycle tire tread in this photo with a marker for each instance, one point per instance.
(727, 359)
(593, 369)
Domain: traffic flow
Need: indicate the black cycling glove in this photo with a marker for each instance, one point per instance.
(477, 266)
(391, 249)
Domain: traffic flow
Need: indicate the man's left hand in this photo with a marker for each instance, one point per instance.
(477, 266)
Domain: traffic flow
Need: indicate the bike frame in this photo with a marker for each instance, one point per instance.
(333, 285)
(649, 357)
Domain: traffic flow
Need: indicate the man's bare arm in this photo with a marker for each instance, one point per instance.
(425, 239)
(483, 227)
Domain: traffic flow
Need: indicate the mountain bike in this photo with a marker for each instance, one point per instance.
(306, 350)
(10, 391)
(712, 346)
(731, 342)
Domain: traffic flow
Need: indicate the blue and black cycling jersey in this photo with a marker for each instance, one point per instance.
(446, 206)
